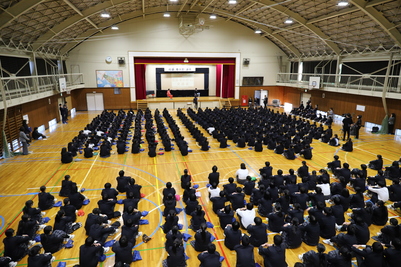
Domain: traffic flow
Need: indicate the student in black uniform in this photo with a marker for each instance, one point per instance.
(202, 239)
(107, 205)
(46, 200)
(258, 233)
(176, 255)
(339, 258)
(232, 235)
(273, 254)
(89, 253)
(39, 260)
(15, 247)
(245, 256)
(27, 226)
(122, 182)
(170, 221)
(292, 234)
(53, 241)
(210, 258)
(371, 256)
(76, 198)
(185, 178)
(198, 217)
(315, 259)
(66, 156)
(214, 176)
(123, 250)
(66, 185)
(275, 219)
(393, 254)
(226, 216)
(172, 235)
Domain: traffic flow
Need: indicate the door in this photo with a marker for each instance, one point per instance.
(305, 98)
(94, 101)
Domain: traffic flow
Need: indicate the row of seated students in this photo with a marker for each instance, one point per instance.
(97, 226)
(284, 202)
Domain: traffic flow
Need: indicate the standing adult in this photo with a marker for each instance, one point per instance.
(24, 139)
(195, 101)
(391, 122)
(358, 125)
(347, 121)
(64, 114)
(265, 101)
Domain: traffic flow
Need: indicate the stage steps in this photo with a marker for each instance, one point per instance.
(140, 104)
(226, 103)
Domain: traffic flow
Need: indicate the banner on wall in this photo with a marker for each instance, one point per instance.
(63, 84)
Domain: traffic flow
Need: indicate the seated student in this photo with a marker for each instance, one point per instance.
(334, 141)
(39, 260)
(210, 258)
(336, 163)
(76, 198)
(380, 214)
(122, 182)
(66, 186)
(94, 217)
(237, 199)
(244, 251)
(258, 146)
(88, 151)
(393, 253)
(46, 200)
(176, 254)
(326, 135)
(274, 255)
(226, 216)
(249, 185)
(306, 152)
(36, 135)
(110, 192)
(185, 178)
(213, 190)
(133, 187)
(275, 219)
(218, 202)
(292, 234)
(388, 233)
(136, 146)
(170, 221)
(393, 172)
(376, 164)
(370, 256)
(380, 192)
(168, 190)
(106, 206)
(191, 204)
(90, 252)
(105, 149)
(232, 235)
(279, 148)
(230, 187)
(27, 226)
(289, 153)
(241, 174)
(246, 215)
(172, 235)
(344, 240)
(258, 233)
(314, 259)
(395, 191)
(66, 156)
(202, 239)
(121, 146)
(310, 231)
(198, 217)
(348, 146)
(100, 232)
(123, 251)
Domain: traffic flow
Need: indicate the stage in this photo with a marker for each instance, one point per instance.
(183, 102)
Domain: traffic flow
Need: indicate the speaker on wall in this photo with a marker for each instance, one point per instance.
(246, 61)
(121, 60)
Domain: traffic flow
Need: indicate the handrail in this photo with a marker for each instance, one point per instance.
(23, 86)
(365, 82)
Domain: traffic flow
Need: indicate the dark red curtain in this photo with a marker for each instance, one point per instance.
(140, 81)
(218, 79)
(228, 81)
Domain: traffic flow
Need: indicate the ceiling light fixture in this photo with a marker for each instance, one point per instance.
(213, 16)
(105, 15)
(232, 2)
(342, 3)
(166, 15)
(114, 27)
(258, 31)
(288, 21)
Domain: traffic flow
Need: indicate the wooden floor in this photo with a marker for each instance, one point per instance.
(21, 177)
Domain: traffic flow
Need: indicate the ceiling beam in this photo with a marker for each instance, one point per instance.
(242, 10)
(301, 20)
(181, 8)
(13, 12)
(379, 18)
(49, 35)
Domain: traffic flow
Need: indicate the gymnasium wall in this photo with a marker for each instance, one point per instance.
(158, 34)
(110, 100)
(283, 93)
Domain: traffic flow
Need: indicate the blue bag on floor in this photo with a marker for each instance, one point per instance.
(208, 185)
(212, 238)
(62, 264)
(69, 244)
(209, 225)
(178, 210)
(186, 257)
(102, 258)
(142, 149)
(144, 213)
(136, 256)
(109, 243)
(180, 226)
(142, 221)
(196, 186)
(57, 204)
(45, 220)
(86, 201)
(83, 190)
(186, 236)
(221, 258)
(257, 265)
(120, 201)
(37, 238)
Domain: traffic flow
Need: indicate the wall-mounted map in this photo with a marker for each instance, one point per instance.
(109, 78)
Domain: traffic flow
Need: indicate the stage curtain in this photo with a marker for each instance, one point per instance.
(228, 81)
(140, 81)
(218, 79)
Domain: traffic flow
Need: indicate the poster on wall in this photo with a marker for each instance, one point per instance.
(109, 78)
